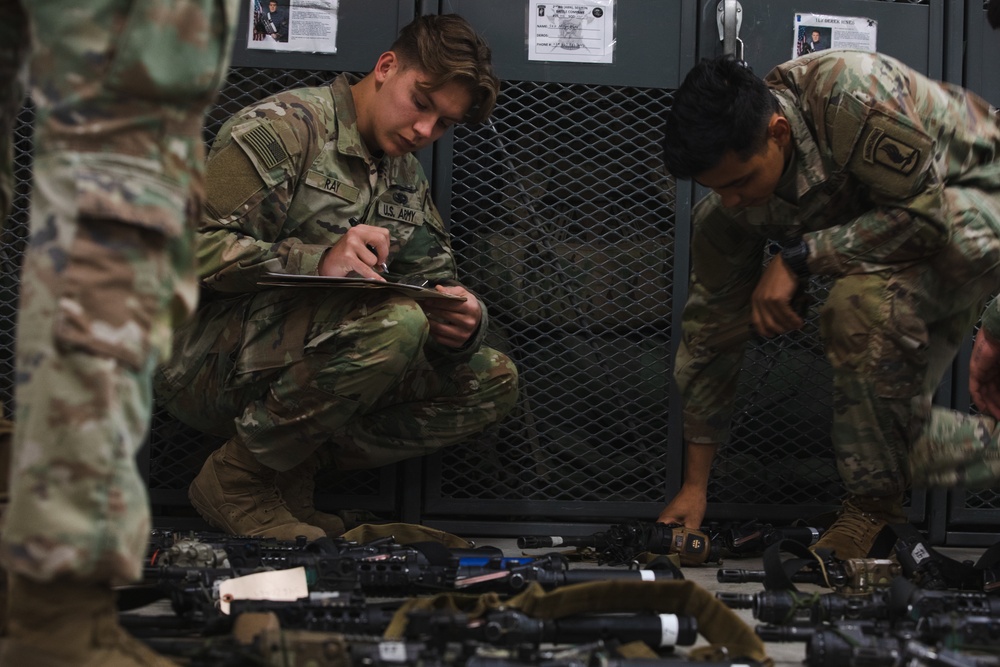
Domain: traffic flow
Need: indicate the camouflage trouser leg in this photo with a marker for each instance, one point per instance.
(120, 92)
(346, 374)
(891, 336)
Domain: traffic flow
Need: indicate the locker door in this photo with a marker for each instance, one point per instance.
(914, 32)
(566, 224)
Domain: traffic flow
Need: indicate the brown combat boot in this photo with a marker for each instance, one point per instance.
(860, 521)
(69, 624)
(236, 493)
(298, 488)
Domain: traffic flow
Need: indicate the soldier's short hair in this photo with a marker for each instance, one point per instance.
(993, 14)
(721, 106)
(447, 48)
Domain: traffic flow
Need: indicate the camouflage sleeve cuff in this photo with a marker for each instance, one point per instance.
(697, 432)
(304, 259)
(471, 346)
(991, 319)
(823, 258)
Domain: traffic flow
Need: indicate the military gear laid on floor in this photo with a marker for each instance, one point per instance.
(625, 606)
(851, 576)
(259, 639)
(899, 600)
(622, 543)
(189, 568)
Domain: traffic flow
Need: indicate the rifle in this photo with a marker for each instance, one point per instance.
(621, 543)
(850, 576)
(510, 628)
(512, 575)
(880, 642)
(284, 648)
(901, 600)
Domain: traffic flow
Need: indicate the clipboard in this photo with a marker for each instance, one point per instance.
(411, 290)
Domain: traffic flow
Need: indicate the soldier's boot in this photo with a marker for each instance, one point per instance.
(237, 494)
(298, 489)
(69, 624)
(859, 523)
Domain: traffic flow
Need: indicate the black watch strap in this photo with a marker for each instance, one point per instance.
(796, 256)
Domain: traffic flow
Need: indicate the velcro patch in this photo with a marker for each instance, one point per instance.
(332, 185)
(230, 181)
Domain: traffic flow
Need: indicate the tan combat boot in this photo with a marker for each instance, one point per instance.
(236, 493)
(860, 521)
(298, 487)
(69, 624)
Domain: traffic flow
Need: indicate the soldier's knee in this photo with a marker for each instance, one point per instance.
(499, 376)
(405, 324)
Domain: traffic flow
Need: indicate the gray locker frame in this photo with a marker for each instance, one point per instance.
(631, 68)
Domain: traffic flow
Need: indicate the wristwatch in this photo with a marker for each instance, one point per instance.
(795, 254)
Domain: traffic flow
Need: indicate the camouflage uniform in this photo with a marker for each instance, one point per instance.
(287, 370)
(120, 89)
(952, 448)
(894, 186)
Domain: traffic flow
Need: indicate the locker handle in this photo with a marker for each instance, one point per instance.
(729, 18)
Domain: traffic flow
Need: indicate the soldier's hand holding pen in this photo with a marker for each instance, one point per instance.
(362, 251)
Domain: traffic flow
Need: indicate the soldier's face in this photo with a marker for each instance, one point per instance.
(742, 183)
(404, 118)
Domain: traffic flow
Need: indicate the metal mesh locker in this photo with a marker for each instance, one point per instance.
(564, 224)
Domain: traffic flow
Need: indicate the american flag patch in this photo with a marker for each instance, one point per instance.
(264, 143)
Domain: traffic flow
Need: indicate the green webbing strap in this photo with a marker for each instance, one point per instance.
(716, 622)
(404, 533)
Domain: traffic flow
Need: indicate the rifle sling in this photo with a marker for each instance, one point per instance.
(717, 623)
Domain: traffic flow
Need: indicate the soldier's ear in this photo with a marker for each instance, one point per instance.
(780, 130)
(387, 63)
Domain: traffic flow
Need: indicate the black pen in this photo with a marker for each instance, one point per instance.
(381, 266)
